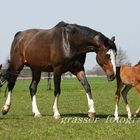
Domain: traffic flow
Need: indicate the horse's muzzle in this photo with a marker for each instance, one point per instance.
(110, 77)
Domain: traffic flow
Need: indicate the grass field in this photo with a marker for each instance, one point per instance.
(19, 123)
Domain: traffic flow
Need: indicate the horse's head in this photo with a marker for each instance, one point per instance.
(106, 56)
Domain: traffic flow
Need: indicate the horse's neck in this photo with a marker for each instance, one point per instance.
(83, 46)
(79, 42)
(86, 49)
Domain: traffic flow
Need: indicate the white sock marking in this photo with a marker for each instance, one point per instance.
(116, 112)
(128, 111)
(90, 103)
(55, 107)
(8, 101)
(9, 98)
(34, 106)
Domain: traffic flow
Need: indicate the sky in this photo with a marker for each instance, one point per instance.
(120, 18)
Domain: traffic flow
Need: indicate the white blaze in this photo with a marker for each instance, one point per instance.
(113, 60)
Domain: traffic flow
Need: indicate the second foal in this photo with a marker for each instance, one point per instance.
(127, 77)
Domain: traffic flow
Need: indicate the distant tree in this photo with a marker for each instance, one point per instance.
(122, 57)
(97, 70)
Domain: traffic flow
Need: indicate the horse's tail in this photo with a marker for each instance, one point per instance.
(4, 73)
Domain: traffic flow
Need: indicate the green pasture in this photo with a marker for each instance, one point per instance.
(19, 123)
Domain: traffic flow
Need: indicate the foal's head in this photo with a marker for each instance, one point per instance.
(106, 56)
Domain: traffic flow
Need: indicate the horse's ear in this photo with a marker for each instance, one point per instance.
(113, 38)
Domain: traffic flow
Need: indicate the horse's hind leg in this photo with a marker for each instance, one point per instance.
(7, 104)
(33, 88)
(124, 94)
(11, 78)
(49, 80)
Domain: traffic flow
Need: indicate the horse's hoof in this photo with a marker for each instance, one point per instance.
(57, 117)
(4, 110)
(116, 118)
(37, 115)
(129, 118)
(91, 115)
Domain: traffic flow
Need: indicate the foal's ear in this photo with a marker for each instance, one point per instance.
(113, 38)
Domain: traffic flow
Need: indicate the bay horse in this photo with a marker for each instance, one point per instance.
(127, 76)
(59, 49)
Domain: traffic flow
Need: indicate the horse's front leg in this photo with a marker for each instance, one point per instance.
(33, 89)
(82, 78)
(124, 94)
(57, 80)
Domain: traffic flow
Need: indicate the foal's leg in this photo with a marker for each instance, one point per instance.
(57, 80)
(33, 88)
(117, 99)
(138, 90)
(82, 78)
(117, 96)
(124, 94)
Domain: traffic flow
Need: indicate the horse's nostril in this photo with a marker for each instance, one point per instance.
(110, 77)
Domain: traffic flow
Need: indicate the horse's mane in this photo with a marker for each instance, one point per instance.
(61, 24)
(86, 32)
(90, 33)
(83, 30)
(78, 29)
